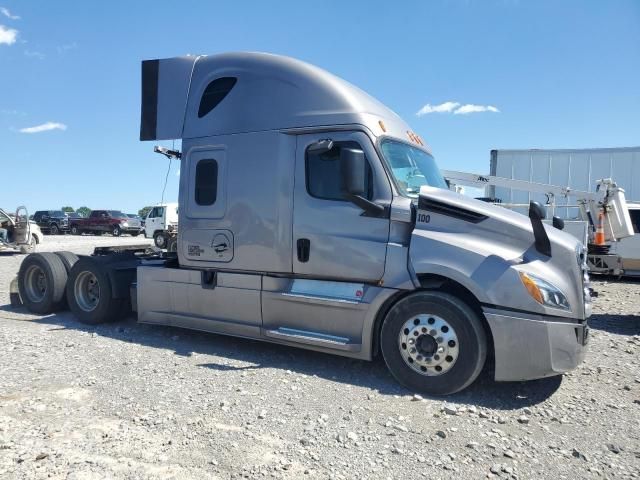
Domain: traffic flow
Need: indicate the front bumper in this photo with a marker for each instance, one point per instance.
(529, 346)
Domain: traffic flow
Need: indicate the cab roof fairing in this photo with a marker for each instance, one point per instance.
(272, 92)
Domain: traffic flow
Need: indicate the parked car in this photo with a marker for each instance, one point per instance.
(52, 222)
(162, 224)
(22, 234)
(100, 221)
(135, 216)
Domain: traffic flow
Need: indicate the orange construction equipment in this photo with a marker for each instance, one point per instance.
(599, 237)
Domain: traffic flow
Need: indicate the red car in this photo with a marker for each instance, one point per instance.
(100, 221)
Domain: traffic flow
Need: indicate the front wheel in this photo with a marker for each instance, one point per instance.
(54, 230)
(160, 239)
(116, 231)
(75, 230)
(433, 343)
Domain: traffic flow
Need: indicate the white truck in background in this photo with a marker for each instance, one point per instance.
(161, 224)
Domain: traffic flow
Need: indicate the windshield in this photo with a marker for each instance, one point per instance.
(411, 167)
(57, 213)
(116, 214)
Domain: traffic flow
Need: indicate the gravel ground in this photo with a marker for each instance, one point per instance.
(133, 401)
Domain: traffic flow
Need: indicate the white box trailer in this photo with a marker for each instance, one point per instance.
(578, 169)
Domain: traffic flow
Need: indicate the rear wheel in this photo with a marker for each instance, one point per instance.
(433, 343)
(160, 239)
(42, 279)
(89, 293)
(68, 259)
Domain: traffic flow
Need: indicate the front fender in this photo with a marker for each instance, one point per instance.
(483, 268)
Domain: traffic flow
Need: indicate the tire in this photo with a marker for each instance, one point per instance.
(54, 230)
(42, 280)
(89, 293)
(68, 259)
(160, 239)
(116, 231)
(31, 247)
(172, 246)
(75, 230)
(414, 346)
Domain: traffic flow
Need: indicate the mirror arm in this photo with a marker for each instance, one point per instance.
(366, 205)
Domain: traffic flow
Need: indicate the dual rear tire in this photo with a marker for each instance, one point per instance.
(49, 282)
(90, 294)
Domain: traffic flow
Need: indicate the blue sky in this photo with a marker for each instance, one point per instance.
(559, 74)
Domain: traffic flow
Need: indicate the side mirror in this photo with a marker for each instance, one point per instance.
(353, 168)
(536, 214)
(558, 223)
(538, 210)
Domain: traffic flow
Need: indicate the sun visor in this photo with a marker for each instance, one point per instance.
(165, 88)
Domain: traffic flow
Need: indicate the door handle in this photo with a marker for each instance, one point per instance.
(303, 246)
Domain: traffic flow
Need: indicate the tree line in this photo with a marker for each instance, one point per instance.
(85, 211)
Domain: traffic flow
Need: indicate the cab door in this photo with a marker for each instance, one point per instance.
(332, 237)
(22, 228)
(153, 220)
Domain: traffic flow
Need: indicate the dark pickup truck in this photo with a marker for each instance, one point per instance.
(100, 221)
(54, 222)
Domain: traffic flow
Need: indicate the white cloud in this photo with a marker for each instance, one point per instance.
(456, 108)
(7, 13)
(34, 54)
(44, 127)
(471, 108)
(7, 35)
(445, 107)
(65, 48)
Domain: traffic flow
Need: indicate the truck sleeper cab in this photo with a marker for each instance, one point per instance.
(311, 215)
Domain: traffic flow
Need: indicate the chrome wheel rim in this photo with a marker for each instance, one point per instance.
(87, 291)
(428, 345)
(36, 283)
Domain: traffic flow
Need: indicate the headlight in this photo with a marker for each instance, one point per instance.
(543, 292)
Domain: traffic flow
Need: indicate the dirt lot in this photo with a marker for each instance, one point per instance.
(131, 401)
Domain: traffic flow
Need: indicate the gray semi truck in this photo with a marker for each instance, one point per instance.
(312, 215)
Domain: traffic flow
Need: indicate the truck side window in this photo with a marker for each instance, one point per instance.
(214, 94)
(324, 177)
(206, 189)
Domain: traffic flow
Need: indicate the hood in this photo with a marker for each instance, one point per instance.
(514, 228)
